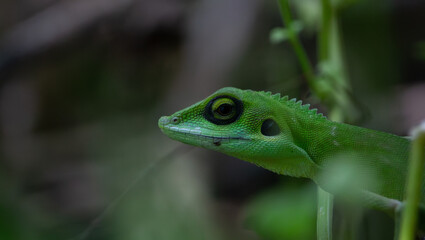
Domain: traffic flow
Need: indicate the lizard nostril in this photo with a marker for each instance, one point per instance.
(175, 120)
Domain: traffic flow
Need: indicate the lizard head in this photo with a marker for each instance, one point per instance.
(249, 125)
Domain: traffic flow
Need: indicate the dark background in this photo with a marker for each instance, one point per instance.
(83, 83)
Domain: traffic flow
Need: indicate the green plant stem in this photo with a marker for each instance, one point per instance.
(324, 214)
(325, 30)
(296, 44)
(414, 183)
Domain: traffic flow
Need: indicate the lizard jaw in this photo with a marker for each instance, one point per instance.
(189, 135)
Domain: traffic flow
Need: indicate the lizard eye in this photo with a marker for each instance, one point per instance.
(175, 120)
(223, 110)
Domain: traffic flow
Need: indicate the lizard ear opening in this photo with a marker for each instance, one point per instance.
(270, 128)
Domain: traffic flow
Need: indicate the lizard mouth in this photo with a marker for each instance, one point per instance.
(196, 133)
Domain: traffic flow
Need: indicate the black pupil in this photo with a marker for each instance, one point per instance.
(225, 109)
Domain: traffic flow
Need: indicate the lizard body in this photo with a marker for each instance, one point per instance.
(286, 137)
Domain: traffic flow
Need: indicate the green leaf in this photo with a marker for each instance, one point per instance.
(279, 34)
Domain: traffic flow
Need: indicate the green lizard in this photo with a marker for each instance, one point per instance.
(288, 138)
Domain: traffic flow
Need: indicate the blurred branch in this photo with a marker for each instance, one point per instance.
(296, 44)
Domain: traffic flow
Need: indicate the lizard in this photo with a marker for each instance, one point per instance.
(285, 136)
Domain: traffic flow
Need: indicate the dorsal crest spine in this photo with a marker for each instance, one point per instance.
(294, 103)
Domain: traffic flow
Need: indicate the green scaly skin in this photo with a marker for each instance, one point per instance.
(305, 144)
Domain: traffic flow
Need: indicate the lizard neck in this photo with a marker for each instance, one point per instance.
(381, 155)
(323, 138)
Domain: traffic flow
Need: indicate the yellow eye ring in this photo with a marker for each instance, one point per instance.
(223, 110)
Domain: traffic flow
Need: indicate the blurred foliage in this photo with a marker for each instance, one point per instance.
(284, 213)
